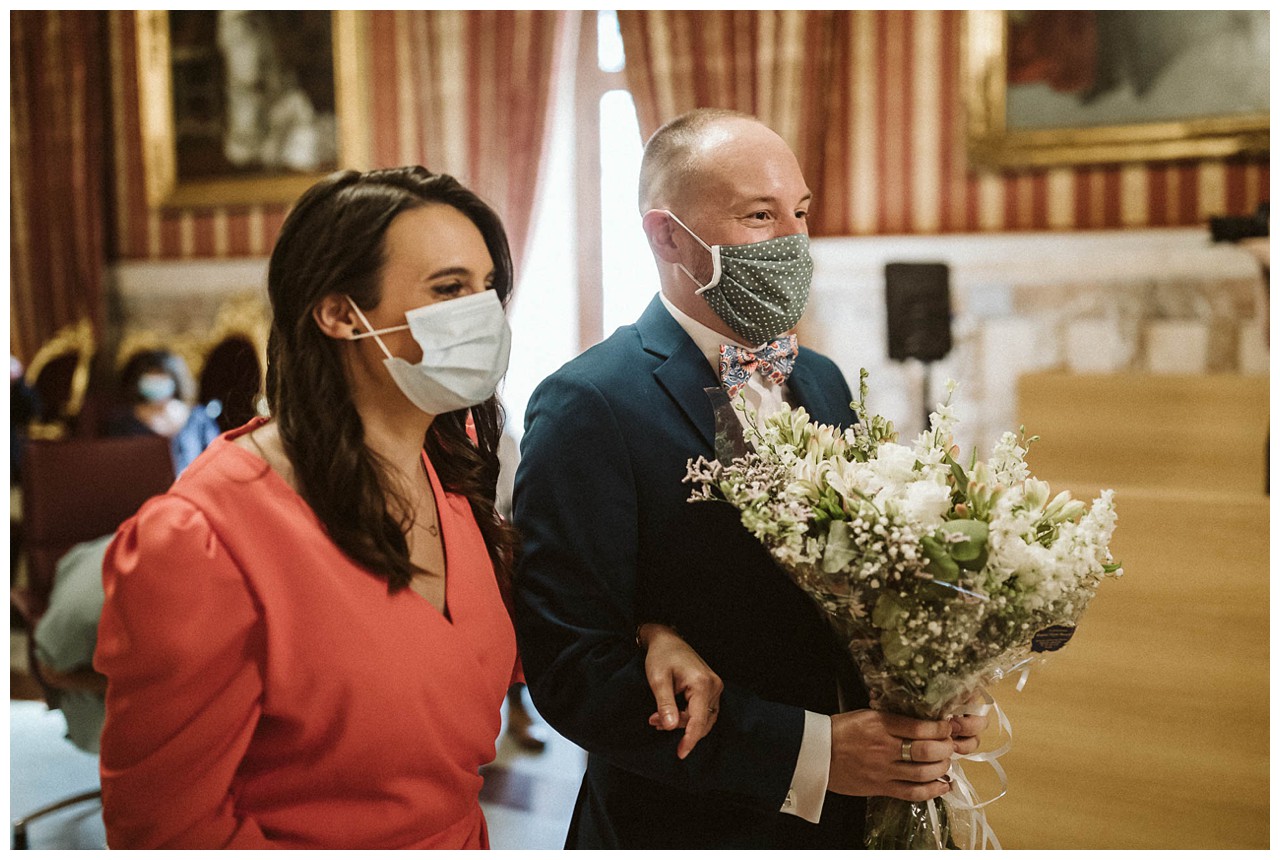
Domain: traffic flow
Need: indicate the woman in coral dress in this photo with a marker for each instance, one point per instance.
(306, 639)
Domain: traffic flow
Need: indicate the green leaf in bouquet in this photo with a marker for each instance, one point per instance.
(957, 472)
(976, 563)
(1046, 533)
(839, 551)
(887, 610)
(831, 505)
(941, 565)
(1111, 568)
(975, 539)
(897, 652)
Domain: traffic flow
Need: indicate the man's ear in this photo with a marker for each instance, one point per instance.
(658, 226)
(336, 317)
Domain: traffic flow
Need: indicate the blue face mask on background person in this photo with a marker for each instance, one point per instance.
(155, 387)
(759, 289)
(466, 344)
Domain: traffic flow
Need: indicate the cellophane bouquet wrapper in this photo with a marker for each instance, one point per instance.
(941, 576)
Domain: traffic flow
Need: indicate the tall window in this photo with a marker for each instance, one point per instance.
(544, 311)
(630, 279)
(588, 268)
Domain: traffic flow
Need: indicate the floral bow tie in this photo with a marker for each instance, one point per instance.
(773, 361)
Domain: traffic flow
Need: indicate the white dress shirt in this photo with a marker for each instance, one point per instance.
(813, 764)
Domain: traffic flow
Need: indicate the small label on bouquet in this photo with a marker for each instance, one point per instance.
(1052, 638)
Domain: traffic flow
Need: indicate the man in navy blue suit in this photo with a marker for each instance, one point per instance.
(615, 557)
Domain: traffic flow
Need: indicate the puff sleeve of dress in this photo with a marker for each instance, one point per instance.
(181, 644)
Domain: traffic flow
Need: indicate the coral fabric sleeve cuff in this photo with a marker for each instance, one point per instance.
(813, 770)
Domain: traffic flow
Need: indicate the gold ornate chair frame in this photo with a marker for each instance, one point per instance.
(77, 338)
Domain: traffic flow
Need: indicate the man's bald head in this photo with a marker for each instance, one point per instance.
(715, 177)
(673, 154)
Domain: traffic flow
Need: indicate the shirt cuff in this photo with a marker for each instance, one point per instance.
(813, 770)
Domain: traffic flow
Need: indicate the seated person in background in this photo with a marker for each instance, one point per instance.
(157, 387)
(65, 637)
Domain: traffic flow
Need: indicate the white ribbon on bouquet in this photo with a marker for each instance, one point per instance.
(962, 801)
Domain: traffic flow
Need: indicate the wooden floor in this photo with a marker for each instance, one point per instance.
(1150, 730)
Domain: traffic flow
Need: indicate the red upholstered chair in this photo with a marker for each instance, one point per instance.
(75, 490)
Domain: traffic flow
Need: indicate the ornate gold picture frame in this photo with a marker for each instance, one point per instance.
(241, 108)
(999, 136)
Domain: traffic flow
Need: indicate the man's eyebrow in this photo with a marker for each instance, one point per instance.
(773, 200)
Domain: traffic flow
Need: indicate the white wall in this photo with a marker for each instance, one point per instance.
(1163, 300)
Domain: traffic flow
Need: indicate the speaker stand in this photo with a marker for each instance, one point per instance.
(926, 390)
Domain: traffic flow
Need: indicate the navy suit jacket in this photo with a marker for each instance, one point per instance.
(610, 542)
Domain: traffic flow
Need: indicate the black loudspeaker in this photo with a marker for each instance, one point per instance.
(918, 299)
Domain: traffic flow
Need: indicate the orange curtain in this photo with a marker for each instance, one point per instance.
(775, 65)
(57, 154)
(467, 93)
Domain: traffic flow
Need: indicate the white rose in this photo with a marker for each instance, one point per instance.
(894, 463)
(925, 503)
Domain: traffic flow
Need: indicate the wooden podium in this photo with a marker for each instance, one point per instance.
(1150, 730)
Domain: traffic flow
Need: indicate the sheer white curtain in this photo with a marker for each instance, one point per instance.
(544, 311)
(587, 268)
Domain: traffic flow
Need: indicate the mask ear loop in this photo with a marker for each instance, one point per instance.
(715, 259)
(371, 333)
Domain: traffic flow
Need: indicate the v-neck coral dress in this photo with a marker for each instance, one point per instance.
(266, 691)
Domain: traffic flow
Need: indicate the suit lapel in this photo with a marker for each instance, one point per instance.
(684, 371)
(819, 399)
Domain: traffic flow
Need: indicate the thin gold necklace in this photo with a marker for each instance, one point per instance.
(434, 528)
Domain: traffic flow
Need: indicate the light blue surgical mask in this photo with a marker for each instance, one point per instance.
(759, 289)
(466, 344)
(155, 387)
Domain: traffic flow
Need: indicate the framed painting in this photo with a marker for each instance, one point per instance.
(247, 107)
(1070, 87)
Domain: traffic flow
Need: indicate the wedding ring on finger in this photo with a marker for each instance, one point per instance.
(906, 750)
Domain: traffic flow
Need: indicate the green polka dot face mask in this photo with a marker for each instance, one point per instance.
(760, 289)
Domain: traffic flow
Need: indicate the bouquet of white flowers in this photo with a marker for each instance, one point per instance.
(940, 577)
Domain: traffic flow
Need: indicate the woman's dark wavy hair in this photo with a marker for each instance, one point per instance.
(334, 242)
